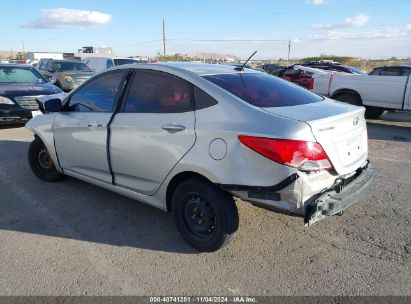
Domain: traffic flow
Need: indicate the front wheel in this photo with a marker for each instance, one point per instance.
(41, 163)
(205, 215)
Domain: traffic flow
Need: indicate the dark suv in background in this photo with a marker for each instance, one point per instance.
(398, 70)
(66, 74)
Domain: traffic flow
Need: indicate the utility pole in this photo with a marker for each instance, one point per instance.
(164, 40)
(289, 50)
(24, 53)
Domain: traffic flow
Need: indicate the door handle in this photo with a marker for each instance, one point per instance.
(97, 125)
(173, 128)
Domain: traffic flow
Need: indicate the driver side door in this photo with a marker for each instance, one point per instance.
(80, 132)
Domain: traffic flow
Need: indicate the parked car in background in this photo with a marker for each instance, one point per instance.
(186, 138)
(66, 74)
(334, 66)
(399, 70)
(273, 69)
(378, 94)
(20, 85)
(99, 64)
(297, 76)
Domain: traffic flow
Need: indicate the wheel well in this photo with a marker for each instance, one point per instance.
(176, 180)
(346, 91)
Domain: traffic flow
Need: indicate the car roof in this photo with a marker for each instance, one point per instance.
(65, 60)
(201, 69)
(14, 65)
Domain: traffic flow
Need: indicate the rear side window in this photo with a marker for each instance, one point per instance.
(43, 65)
(262, 90)
(157, 92)
(391, 72)
(202, 99)
(97, 95)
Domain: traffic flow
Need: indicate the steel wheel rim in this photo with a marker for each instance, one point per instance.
(44, 160)
(199, 217)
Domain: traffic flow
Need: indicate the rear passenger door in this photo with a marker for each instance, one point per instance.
(153, 130)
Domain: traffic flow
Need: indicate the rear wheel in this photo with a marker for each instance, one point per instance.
(370, 112)
(350, 98)
(205, 215)
(41, 163)
(374, 113)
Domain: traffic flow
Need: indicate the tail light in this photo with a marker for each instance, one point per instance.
(303, 155)
(311, 84)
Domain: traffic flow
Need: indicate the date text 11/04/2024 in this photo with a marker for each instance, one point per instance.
(202, 299)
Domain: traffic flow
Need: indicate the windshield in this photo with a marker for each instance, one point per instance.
(124, 61)
(20, 75)
(70, 67)
(355, 70)
(263, 90)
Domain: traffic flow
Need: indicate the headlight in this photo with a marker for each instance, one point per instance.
(68, 78)
(5, 100)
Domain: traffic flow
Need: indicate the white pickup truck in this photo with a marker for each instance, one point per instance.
(376, 93)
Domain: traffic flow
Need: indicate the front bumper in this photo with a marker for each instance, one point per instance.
(14, 116)
(340, 196)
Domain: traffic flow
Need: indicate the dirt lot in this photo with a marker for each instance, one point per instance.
(71, 238)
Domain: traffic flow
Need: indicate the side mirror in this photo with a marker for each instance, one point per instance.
(53, 80)
(52, 105)
(50, 70)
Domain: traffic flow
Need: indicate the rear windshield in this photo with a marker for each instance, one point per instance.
(263, 90)
(20, 75)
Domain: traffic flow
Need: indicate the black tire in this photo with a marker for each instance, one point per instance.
(370, 112)
(215, 221)
(374, 113)
(349, 98)
(41, 163)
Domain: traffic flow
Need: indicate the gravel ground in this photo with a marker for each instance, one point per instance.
(71, 238)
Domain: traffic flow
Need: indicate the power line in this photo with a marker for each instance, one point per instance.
(287, 40)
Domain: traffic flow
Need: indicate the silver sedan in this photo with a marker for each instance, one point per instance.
(186, 138)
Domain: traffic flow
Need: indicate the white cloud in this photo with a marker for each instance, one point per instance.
(61, 17)
(356, 21)
(315, 2)
(396, 32)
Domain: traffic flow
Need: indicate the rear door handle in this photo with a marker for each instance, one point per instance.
(173, 128)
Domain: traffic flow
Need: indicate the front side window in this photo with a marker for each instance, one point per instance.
(67, 66)
(97, 95)
(262, 90)
(157, 92)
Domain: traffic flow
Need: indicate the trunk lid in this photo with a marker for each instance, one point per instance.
(339, 128)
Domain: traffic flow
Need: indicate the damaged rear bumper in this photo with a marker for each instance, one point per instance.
(341, 195)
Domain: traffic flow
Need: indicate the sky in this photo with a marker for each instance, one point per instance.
(362, 28)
